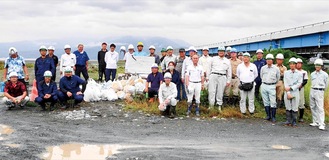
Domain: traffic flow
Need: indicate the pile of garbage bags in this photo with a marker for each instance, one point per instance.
(112, 91)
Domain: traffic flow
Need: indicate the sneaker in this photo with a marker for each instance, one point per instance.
(197, 113)
(314, 124)
(188, 113)
(301, 120)
(322, 127)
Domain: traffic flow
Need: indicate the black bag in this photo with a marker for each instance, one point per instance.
(246, 86)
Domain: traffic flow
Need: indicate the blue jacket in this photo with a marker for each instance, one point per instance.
(44, 89)
(81, 58)
(70, 84)
(175, 77)
(44, 64)
(259, 64)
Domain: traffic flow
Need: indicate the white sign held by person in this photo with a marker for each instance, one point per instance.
(139, 65)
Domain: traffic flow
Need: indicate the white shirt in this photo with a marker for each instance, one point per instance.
(111, 59)
(67, 60)
(205, 61)
(166, 60)
(195, 73)
(167, 92)
(247, 74)
(221, 66)
(187, 61)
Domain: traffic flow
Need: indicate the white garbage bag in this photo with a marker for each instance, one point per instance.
(140, 88)
(131, 80)
(116, 86)
(123, 83)
(111, 95)
(121, 94)
(92, 92)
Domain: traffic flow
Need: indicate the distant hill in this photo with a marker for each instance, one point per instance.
(29, 49)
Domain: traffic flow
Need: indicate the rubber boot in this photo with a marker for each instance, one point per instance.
(301, 115)
(268, 114)
(225, 101)
(172, 112)
(236, 101)
(189, 108)
(288, 117)
(294, 118)
(197, 110)
(151, 100)
(273, 113)
(278, 104)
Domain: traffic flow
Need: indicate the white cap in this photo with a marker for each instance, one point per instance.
(192, 49)
(205, 48)
(298, 60)
(152, 47)
(51, 48)
(293, 60)
(279, 56)
(259, 51)
(67, 47)
(318, 62)
(221, 48)
(167, 75)
(47, 74)
(11, 74)
(68, 69)
(123, 48)
(130, 46)
(43, 47)
(154, 65)
(170, 48)
(228, 48)
(12, 50)
(269, 56)
(246, 54)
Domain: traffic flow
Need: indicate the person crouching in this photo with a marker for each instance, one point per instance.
(167, 96)
(15, 92)
(47, 91)
(69, 88)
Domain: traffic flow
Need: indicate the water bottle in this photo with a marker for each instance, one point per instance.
(146, 95)
(2, 86)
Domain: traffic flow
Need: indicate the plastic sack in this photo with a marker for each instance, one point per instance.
(140, 88)
(123, 83)
(121, 94)
(92, 92)
(116, 86)
(34, 91)
(131, 80)
(111, 95)
(139, 80)
(2, 86)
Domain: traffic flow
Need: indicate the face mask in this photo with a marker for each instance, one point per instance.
(171, 67)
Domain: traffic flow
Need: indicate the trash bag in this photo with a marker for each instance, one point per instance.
(92, 92)
(139, 80)
(123, 83)
(2, 86)
(34, 91)
(107, 85)
(116, 86)
(111, 95)
(140, 88)
(128, 97)
(131, 80)
(121, 94)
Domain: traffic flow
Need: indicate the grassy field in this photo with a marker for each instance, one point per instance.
(140, 103)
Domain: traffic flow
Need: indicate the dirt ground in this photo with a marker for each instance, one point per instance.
(105, 131)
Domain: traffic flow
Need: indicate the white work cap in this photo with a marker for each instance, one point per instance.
(12, 74)
(12, 50)
(47, 74)
(151, 47)
(170, 48)
(279, 56)
(221, 48)
(154, 65)
(68, 69)
(318, 62)
(259, 51)
(42, 48)
(130, 46)
(205, 48)
(167, 75)
(269, 56)
(192, 49)
(298, 60)
(228, 48)
(246, 54)
(123, 48)
(67, 47)
(51, 48)
(293, 60)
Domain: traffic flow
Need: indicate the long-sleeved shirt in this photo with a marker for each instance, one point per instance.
(55, 58)
(44, 88)
(220, 65)
(111, 59)
(195, 73)
(205, 61)
(234, 66)
(179, 63)
(247, 74)
(259, 64)
(82, 58)
(67, 60)
(166, 60)
(70, 84)
(44, 64)
(101, 57)
(270, 74)
(187, 61)
(167, 92)
(319, 79)
(292, 79)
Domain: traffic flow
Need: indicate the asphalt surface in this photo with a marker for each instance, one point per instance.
(135, 135)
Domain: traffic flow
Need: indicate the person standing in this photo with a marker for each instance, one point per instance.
(51, 50)
(205, 60)
(179, 64)
(111, 60)
(15, 93)
(301, 105)
(47, 91)
(164, 54)
(170, 57)
(240, 56)
(101, 62)
(42, 64)
(68, 59)
(152, 54)
(122, 52)
(219, 74)
(260, 62)
(81, 65)
(247, 73)
(228, 52)
(280, 86)
(194, 81)
(153, 82)
(292, 80)
(15, 63)
(270, 75)
(140, 51)
(167, 96)
(319, 83)
(234, 84)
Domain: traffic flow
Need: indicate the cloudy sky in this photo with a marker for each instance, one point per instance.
(194, 21)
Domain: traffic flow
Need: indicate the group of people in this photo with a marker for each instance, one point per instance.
(229, 77)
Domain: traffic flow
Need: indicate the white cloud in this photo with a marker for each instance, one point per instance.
(197, 22)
